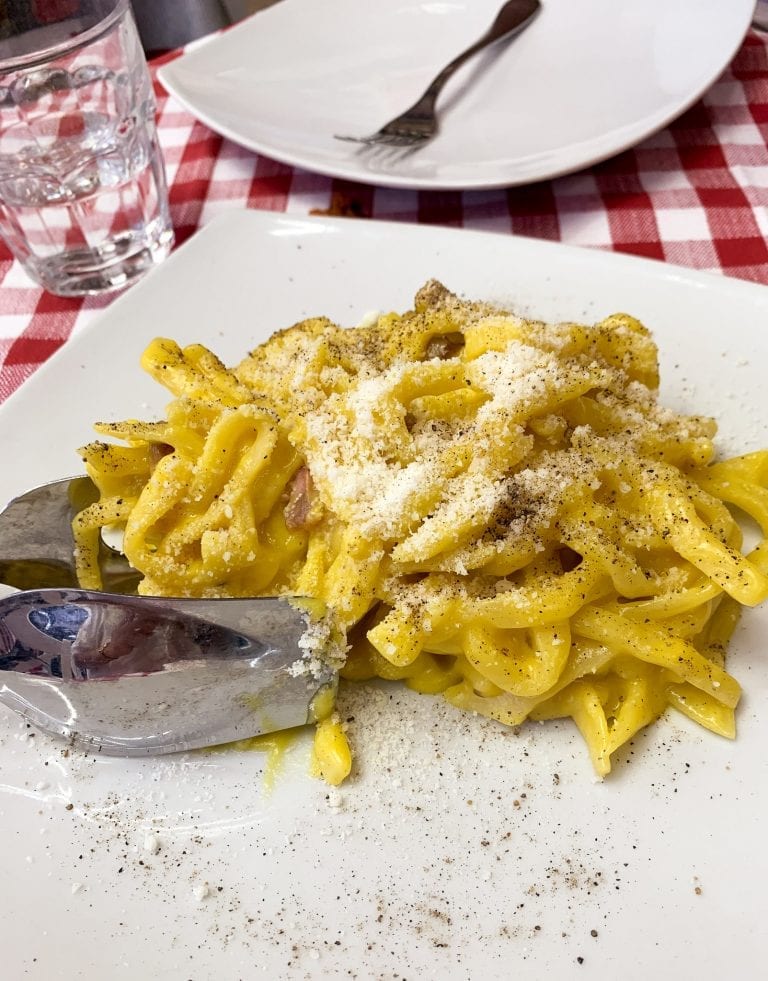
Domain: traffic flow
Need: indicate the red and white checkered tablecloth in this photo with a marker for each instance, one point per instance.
(695, 194)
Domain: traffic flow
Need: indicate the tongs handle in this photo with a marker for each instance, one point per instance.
(133, 675)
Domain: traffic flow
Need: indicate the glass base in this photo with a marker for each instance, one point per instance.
(85, 272)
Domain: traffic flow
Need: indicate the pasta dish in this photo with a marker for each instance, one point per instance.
(495, 509)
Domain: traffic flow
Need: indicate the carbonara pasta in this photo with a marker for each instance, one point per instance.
(496, 509)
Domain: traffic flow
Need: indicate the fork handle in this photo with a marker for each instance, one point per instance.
(512, 17)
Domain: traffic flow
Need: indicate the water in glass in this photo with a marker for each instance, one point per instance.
(83, 200)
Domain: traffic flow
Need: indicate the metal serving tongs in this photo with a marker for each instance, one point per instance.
(130, 675)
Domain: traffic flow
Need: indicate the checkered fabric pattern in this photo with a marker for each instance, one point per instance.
(695, 194)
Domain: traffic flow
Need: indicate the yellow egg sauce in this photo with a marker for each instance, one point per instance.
(276, 746)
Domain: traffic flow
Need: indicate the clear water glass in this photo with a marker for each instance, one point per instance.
(83, 196)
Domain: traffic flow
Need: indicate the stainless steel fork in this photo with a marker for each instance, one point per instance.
(419, 124)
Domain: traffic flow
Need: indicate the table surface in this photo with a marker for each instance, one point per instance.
(695, 194)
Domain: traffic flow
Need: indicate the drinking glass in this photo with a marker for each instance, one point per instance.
(83, 197)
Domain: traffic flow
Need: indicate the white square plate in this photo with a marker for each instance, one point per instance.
(459, 850)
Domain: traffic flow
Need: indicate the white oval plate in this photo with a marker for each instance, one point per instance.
(587, 79)
(460, 850)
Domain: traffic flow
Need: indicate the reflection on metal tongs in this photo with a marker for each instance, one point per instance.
(131, 675)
